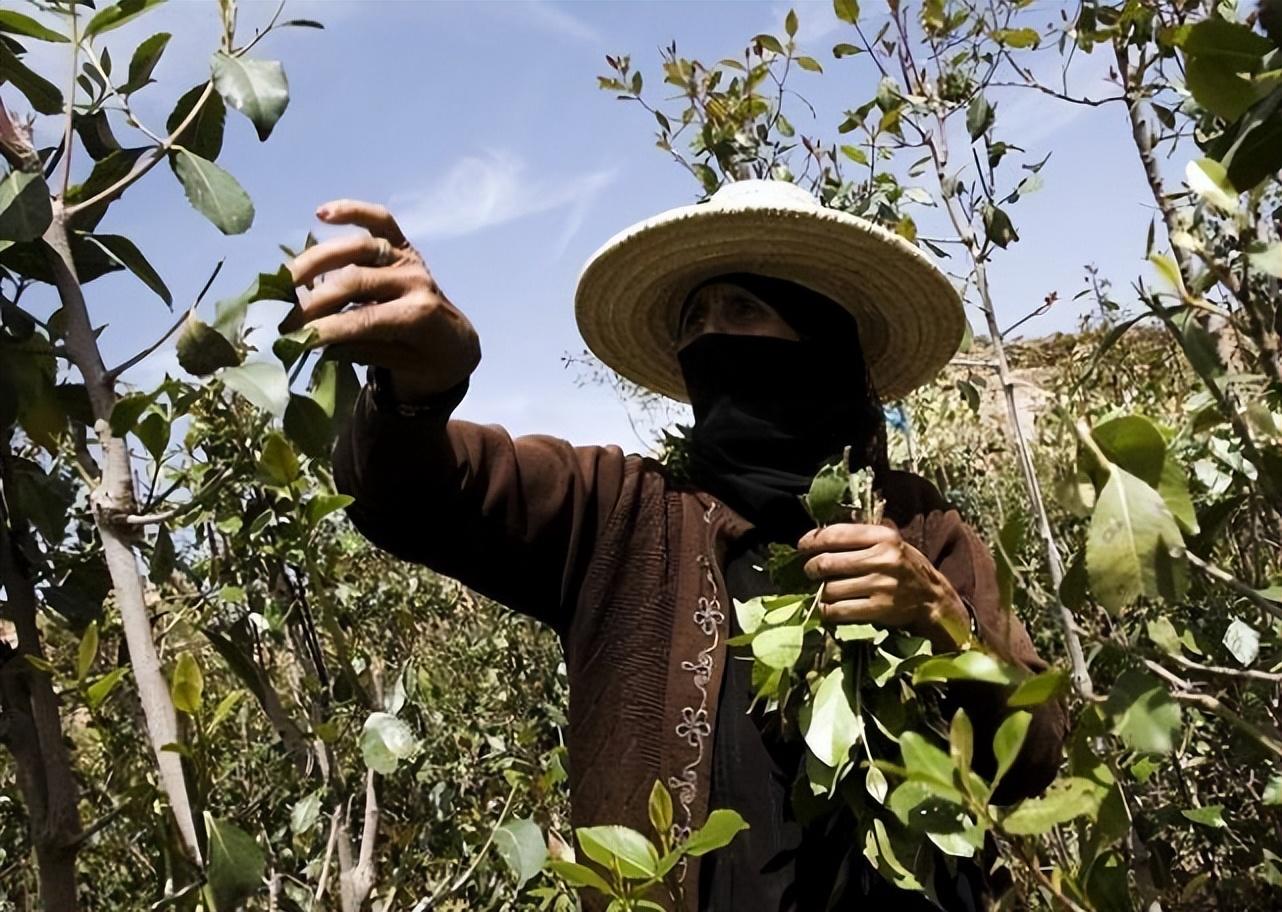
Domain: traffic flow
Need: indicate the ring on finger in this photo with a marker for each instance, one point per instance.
(384, 252)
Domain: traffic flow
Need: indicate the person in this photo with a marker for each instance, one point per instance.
(780, 321)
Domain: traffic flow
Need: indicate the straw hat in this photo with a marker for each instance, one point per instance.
(630, 291)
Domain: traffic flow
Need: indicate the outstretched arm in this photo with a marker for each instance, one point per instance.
(513, 518)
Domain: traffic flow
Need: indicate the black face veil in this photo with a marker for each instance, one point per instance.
(769, 412)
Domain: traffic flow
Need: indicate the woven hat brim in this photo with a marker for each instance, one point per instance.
(630, 291)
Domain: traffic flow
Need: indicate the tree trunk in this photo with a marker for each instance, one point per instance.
(32, 727)
(112, 501)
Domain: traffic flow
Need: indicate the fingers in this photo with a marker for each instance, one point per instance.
(352, 250)
(846, 537)
(854, 611)
(371, 216)
(378, 325)
(353, 285)
(858, 587)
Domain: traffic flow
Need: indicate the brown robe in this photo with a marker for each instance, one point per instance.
(626, 565)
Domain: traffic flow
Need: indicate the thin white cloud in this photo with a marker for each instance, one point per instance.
(482, 191)
(549, 16)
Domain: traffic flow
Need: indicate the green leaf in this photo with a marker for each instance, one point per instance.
(1232, 45)
(118, 14)
(520, 844)
(979, 116)
(1221, 91)
(306, 812)
(127, 254)
(385, 742)
(162, 557)
(1018, 37)
(214, 193)
(721, 827)
(790, 23)
(577, 875)
(635, 855)
(40, 93)
(143, 63)
(769, 42)
(17, 24)
(322, 505)
(127, 410)
(1242, 641)
(924, 760)
(998, 226)
(236, 865)
(749, 614)
(846, 10)
(1208, 179)
(1008, 741)
(1210, 816)
(779, 647)
(1065, 800)
(1134, 546)
(971, 665)
(1040, 688)
(827, 490)
(153, 432)
(660, 808)
(809, 63)
(25, 211)
(187, 685)
(289, 347)
(1134, 443)
(834, 727)
(202, 349)
(278, 463)
(204, 135)
(264, 383)
(225, 707)
(256, 88)
(1143, 713)
(100, 689)
(87, 652)
(844, 49)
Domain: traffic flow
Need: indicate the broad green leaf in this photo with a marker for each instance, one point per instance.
(385, 742)
(127, 410)
(1134, 546)
(846, 10)
(971, 665)
(577, 875)
(827, 489)
(143, 63)
(769, 42)
(721, 827)
(1134, 443)
(322, 505)
(161, 567)
(100, 689)
(876, 785)
(25, 211)
(1008, 741)
(1210, 816)
(1174, 488)
(749, 614)
(809, 63)
(979, 116)
(520, 844)
(834, 727)
(256, 88)
(41, 94)
(289, 347)
(202, 349)
(188, 685)
(16, 23)
(308, 427)
(153, 432)
(229, 313)
(306, 812)
(127, 254)
(204, 135)
(999, 227)
(1232, 45)
(264, 383)
(1169, 272)
(924, 760)
(1208, 179)
(660, 808)
(1017, 37)
(116, 15)
(779, 647)
(607, 845)
(278, 463)
(1065, 800)
(852, 633)
(236, 865)
(1218, 89)
(87, 652)
(1040, 688)
(1242, 641)
(1143, 713)
(214, 193)
(845, 49)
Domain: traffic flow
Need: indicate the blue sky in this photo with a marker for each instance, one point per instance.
(481, 125)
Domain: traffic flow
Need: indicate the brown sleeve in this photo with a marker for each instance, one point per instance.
(513, 518)
(960, 554)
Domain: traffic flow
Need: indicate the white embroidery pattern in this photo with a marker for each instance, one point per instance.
(694, 728)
